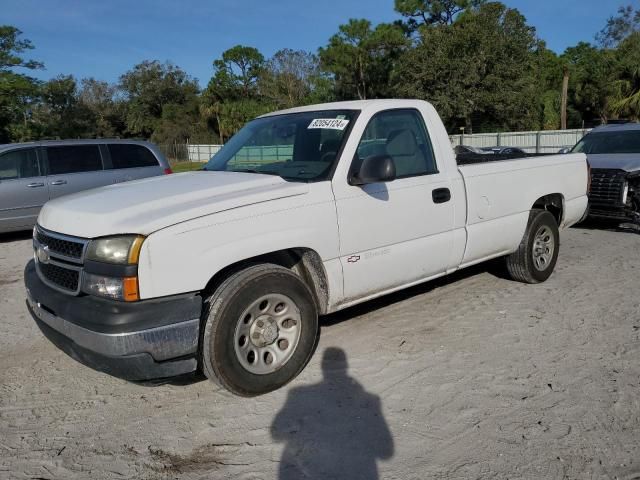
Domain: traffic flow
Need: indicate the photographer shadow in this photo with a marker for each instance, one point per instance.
(334, 429)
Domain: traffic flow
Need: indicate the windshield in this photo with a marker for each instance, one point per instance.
(296, 146)
(609, 142)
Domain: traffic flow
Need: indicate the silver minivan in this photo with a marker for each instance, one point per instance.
(33, 173)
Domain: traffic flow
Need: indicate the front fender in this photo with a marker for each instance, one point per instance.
(183, 258)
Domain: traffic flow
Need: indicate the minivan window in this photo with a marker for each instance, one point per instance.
(131, 156)
(19, 164)
(74, 159)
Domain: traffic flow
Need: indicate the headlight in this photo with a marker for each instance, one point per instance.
(122, 288)
(122, 250)
(625, 192)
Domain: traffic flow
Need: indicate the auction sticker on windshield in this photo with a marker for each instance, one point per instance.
(331, 123)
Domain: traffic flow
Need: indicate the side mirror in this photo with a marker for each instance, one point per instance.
(564, 150)
(374, 169)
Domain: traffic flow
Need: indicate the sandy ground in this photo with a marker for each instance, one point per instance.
(472, 377)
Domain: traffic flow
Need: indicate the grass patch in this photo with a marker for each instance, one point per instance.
(178, 167)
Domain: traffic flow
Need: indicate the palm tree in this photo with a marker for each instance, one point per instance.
(626, 99)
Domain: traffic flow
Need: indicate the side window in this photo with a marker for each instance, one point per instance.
(131, 156)
(401, 135)
(19, 164)
(74, 159)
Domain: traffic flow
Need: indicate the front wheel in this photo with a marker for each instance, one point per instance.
(537, 253)
(260, 330)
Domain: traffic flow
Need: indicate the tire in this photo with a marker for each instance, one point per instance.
(264, 312)
(537, 253)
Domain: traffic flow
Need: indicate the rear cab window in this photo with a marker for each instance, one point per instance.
(17, 164)
(125, 155)
(74, 159)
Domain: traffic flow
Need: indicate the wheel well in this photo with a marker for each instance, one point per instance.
(304, 262)
(553, 203)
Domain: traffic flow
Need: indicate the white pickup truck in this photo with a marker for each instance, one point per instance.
(302, 213)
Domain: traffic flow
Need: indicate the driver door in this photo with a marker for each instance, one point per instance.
(398, 232)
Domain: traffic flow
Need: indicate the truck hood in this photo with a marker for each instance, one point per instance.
(628, 162)
(147, 205)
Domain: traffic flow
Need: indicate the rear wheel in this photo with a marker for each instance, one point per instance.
(537, 253)
(260, 330)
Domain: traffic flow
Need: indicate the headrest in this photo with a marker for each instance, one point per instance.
(401, 142)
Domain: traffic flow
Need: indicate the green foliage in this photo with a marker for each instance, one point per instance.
(292, 78)
(361, 58)
(626, 90)
(17, 91)
(479, 62)
(154, 90)
(589, 81)
(11, 49)
(488, 60)
(619, 27)
(236, 74)
(433, 12)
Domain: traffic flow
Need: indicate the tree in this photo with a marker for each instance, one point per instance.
(625, 99)
(236, 74)
(109, 111)
(433, 12)
(60, 114)
(289, 77)
(361, 59)
(18, 92)
(150, 88)
(479, 71)
(548, 77)
(233, 94)
(619, 27)
(590, 72)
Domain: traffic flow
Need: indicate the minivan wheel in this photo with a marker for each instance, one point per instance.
(537, 253)
(260, 329)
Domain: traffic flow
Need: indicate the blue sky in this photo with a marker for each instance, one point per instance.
(103, 39)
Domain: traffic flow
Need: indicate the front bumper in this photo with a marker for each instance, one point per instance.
(136, 341)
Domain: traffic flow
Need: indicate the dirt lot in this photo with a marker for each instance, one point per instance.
(472, 377)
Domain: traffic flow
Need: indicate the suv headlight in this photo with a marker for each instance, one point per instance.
(122, 250)
(117, 277)
(625, 192)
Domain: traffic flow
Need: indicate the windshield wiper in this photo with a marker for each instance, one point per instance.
(249, 170)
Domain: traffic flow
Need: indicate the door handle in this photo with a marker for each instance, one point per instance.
(58, 182)
(441, 195)
(35, 185)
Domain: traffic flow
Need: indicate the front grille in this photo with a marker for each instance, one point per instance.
(60, 276)
(607, 186)
(59, 259)
(68, 248)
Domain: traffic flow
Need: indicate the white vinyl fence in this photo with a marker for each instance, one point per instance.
(201, 153)
(546, 141)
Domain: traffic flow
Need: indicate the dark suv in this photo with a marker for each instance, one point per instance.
(613, 152)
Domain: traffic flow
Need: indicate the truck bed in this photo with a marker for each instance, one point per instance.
(472, 158)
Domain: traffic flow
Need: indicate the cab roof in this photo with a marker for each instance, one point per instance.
(353, 105)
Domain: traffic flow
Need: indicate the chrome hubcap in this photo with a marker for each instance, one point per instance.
(543, 248)
(267, 334)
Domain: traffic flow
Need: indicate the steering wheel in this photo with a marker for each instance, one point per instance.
(328, 157)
